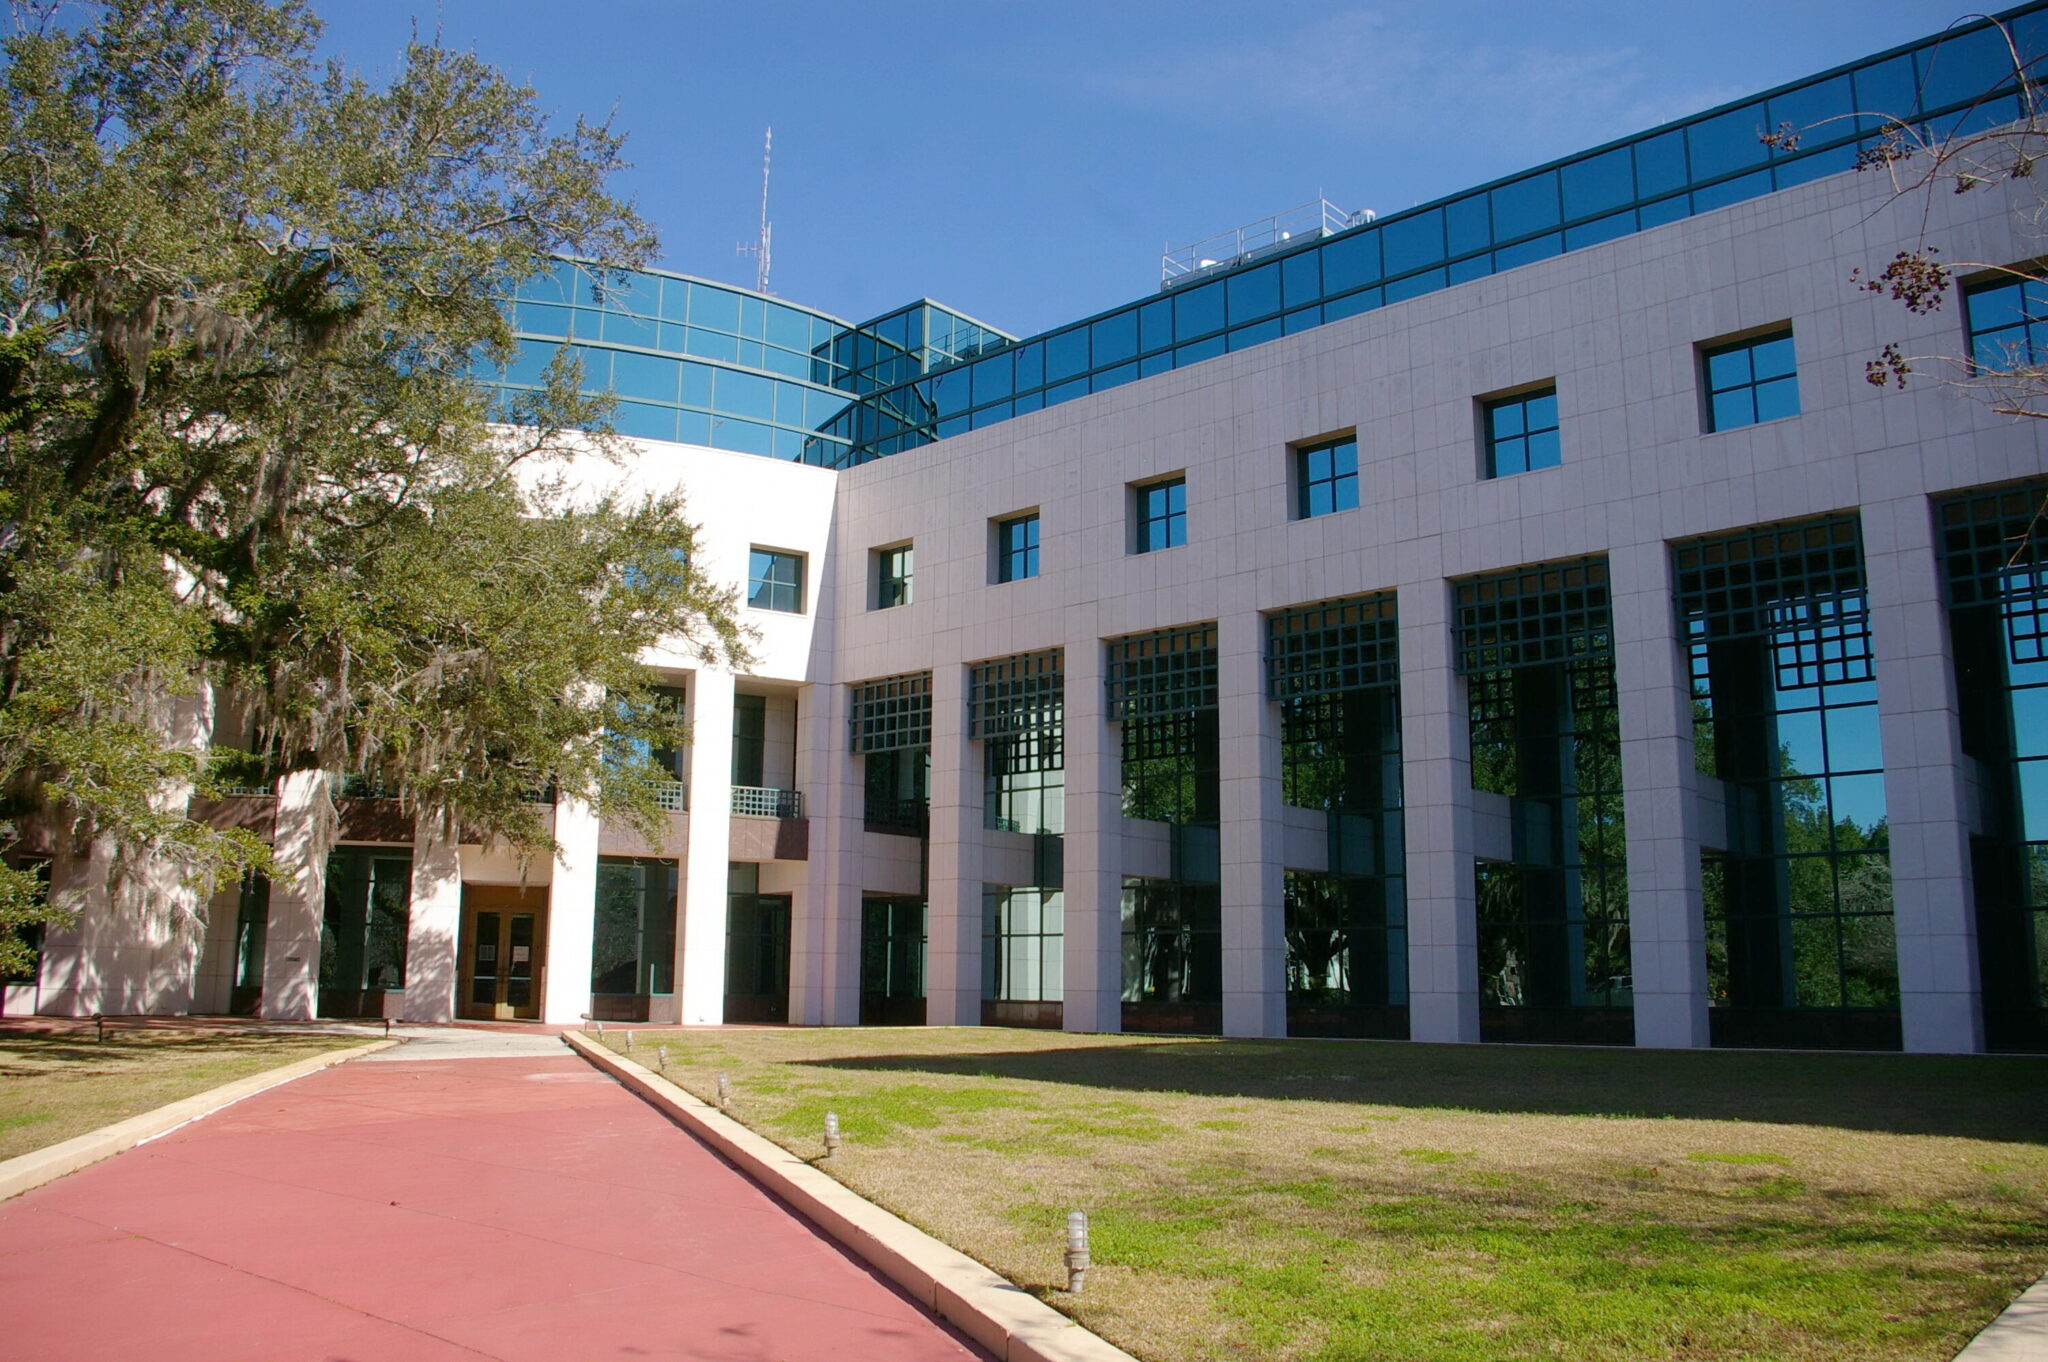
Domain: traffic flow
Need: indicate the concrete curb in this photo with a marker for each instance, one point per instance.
(1011, 1323)
(2019, 1334)
(31, 1170)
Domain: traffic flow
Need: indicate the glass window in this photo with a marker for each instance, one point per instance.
(1526, 205)
(1414, 242)
(1351, 261)
(1598, 184)
(1326, 477)
(1160, 514)
(1254, 293)
(1751, 381)
(892, 576)
(1022, 957)
(1467, 224)
(633, 934)
(1017, 548)
(775, 581)
(1198, 311)
(1728, 142)
(1521, 433)
(1115, 338)
(1066, 354)
(2007, 320)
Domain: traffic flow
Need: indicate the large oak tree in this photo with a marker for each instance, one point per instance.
(244, 459)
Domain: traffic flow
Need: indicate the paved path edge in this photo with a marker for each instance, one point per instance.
(996, 1313)
(2019, 1334)
(25, 1172)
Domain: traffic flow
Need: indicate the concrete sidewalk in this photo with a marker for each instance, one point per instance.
(479, 1200)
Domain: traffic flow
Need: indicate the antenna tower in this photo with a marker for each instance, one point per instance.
(759, 250)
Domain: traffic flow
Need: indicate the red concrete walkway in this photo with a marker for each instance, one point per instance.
(458, 1208)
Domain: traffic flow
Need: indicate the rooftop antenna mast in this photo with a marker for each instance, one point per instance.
(759, 250)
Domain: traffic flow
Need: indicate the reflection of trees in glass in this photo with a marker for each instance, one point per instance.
(1172, 942)
(1170, 767)
(1553, 924)
(1318, 940)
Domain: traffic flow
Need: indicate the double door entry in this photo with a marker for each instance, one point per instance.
(504, 950)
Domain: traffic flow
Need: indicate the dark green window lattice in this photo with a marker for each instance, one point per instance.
(1800, 944)
(1013, 695)
(1335, 646)
(1171, 671)
(1995, 545)
(1800, 586)
(1995, 551)
(893, 714)
(1549, 612)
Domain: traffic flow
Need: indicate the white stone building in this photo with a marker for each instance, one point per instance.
(1515, 618)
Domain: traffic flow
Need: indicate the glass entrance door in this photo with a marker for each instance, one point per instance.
(504, 938)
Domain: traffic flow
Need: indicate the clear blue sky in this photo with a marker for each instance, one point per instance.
(1026, 162)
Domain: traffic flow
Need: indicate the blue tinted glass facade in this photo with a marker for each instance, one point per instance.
(711, 364)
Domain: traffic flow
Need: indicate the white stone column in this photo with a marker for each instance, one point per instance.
(75, 960)
(1092, 986)
(298, 900)
(1926, 807)
(572, 912)
(1660, 802)
(1436, 761)
(700, 935)
(824, 966)
(953, 905)
(434, 925)
(1254, 880)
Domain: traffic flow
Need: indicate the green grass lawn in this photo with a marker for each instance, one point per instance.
(1329, 1200)
(54, 1087)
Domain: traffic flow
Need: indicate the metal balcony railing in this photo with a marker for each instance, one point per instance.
(756, 801)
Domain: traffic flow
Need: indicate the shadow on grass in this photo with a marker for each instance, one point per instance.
(27, 1056)
(1988, 1097)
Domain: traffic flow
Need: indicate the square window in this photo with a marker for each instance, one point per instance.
(1751, 381)
(1325, 477)
(1520, 433)
(2007, 321)
(775, 581)
(892, 576)
(1016, 548)
(1159, 514)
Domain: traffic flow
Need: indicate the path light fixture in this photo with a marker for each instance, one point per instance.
(1077, 1250)
(831, 1133)
(629, 1040)
(724, 1091)
(662, 1051)
(586, 1023)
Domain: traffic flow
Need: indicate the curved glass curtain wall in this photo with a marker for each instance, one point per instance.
(692, 361)
(715, 365)
(1960, 80)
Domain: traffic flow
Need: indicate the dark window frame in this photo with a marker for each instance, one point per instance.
(1334, 482)
(1164, 526)
(2027, 337)
(895, 571)
(1016, 561)
(1521, 441)
(760, 584)
(1749, 382)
